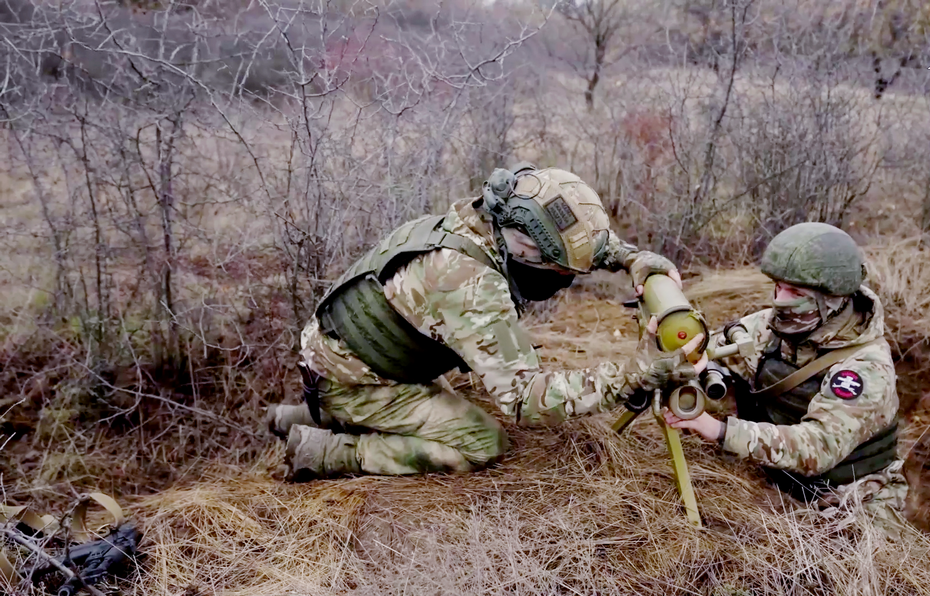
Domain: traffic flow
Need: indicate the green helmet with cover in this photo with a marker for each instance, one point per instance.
(562, 214)
(815, 255)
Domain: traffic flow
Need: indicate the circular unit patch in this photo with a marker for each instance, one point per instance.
(846, 384)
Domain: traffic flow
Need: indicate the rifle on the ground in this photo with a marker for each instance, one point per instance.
(93, 561)
(678, 324)
(82, 565)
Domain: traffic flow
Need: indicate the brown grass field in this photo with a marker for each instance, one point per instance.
(570, 510)
(195, 229)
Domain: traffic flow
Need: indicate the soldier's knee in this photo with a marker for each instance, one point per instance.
(501, 442)
(491, 443)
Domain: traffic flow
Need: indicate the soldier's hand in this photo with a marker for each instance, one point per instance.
(654, 369)
(705, 425)
(645, 263)
(686, 350)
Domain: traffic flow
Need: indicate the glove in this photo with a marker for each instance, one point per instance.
(643, 263)
(650, 369)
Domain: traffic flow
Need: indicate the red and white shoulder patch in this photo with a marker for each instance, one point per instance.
(847, 384)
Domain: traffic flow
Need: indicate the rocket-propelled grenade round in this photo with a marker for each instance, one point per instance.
(678, 321)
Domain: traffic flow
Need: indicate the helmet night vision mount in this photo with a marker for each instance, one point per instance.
(562, 214)
(511, 210)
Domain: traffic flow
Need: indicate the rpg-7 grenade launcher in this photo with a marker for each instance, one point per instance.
(679, 323)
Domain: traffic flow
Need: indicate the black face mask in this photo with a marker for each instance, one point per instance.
(536, 284)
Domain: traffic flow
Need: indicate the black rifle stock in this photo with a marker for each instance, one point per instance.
(93, 561)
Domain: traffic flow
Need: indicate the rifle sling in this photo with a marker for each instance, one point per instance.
(7, 571)
(78, 522)
(806, 372)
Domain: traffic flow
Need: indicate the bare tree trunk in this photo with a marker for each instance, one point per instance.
(737, 22)
(62, 287)
(600, 53)
(165, 148)
(691, 218)
(103, 303)
(589, 92)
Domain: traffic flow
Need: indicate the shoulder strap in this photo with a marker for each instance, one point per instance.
(465, 246)
(812, 368)
(427, 236)
(401, 245)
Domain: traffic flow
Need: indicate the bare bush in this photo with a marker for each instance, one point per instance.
(707, 165)
(600, 22)
(182, 181)
(804, 154)
(190, 180)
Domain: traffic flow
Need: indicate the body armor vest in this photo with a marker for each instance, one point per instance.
(790, 407)
(356, 311)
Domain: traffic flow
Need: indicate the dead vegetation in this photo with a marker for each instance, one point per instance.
(179, 183)
(571, 510)
(575, 510)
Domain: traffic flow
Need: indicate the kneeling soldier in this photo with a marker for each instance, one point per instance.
(443, 292)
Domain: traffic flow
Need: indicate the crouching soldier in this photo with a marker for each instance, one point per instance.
(443, 292)
(817, 406)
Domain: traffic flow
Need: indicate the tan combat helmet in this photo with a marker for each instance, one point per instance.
(562, 214)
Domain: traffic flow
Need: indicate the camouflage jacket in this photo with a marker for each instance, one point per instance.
(467, 306)
(833, 427)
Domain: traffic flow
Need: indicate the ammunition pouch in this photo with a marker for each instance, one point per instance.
(870, 457)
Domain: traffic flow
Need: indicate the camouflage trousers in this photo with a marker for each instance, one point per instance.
(406, 429)
(880, 496)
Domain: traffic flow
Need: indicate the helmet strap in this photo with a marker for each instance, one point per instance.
(495, 193)
(827, 313)
(821, 301)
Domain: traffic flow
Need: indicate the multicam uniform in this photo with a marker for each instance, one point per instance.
(856, 402)
(467, 306)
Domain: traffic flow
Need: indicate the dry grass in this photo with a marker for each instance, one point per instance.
(900, 269)
(574, 510)
(901, 272)
(571, 510)
(245, 533)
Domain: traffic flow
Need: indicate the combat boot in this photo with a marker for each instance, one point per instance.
(281, 417)
(318, 453)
